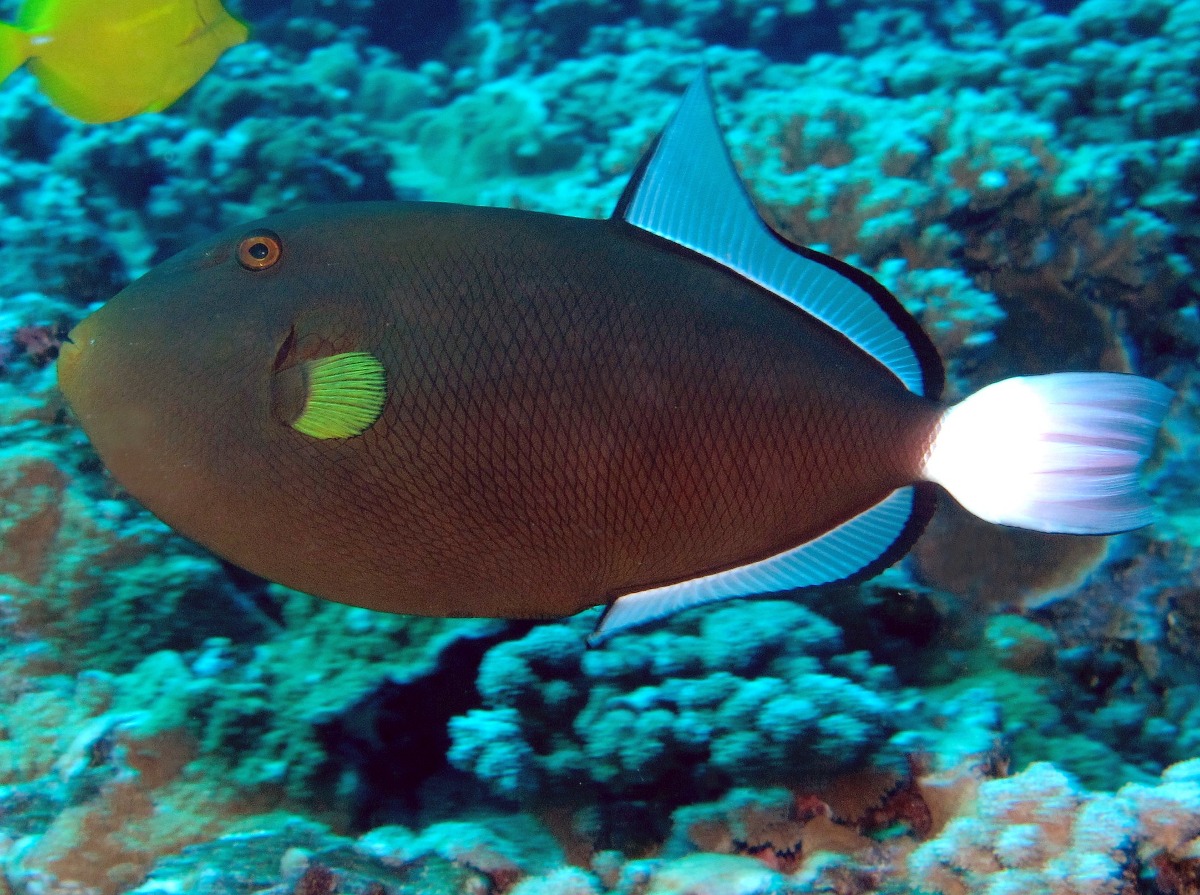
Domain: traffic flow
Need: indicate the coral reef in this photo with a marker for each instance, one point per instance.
(950, 833)
(1037, 832)
(680, 710)
(1005, 712)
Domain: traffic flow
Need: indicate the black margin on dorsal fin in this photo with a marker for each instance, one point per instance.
(933, 371)
(686, 189)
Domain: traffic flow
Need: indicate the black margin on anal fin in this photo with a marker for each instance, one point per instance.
(888, 539)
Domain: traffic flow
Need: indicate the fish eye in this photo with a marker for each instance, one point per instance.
(260, 250)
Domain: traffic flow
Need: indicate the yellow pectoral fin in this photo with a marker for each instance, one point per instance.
(345, 395)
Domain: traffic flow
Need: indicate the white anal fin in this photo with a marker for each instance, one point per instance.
(860, 546)
(687, 190)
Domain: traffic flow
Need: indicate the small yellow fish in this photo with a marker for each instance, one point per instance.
(104, 60)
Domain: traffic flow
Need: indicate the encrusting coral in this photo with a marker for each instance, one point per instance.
(1037, 832)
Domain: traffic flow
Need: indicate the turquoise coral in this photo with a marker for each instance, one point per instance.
(715, 698)
(1025, 176)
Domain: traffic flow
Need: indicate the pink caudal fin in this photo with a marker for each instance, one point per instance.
(1055, 453)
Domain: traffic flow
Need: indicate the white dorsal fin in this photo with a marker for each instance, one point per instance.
(687, 190)
(862, 545)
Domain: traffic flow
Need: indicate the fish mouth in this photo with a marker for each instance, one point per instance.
(70, 356)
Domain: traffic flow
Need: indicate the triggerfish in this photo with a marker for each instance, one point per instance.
(103, 60)
(458, 411)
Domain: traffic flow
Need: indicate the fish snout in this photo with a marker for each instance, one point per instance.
(71, 355)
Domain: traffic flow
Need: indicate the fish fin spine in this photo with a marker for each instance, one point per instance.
(1055, 453)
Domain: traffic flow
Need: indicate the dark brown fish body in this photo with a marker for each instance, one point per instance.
(597, 414)
(576, 410)
(447, 410)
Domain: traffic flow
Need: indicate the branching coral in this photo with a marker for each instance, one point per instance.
(756, 693)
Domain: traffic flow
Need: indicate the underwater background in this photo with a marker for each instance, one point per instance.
(1002, 712)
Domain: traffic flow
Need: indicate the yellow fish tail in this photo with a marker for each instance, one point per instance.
(14, 49)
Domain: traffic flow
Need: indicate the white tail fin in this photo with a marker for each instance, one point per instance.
(1053, 453)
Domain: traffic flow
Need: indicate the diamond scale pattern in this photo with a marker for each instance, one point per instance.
(575, 410)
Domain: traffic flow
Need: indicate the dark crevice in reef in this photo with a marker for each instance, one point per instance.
(394, 740)
(1060, 7)
(820, 31)
(33, 133)
(255, 591)
(417, 31)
